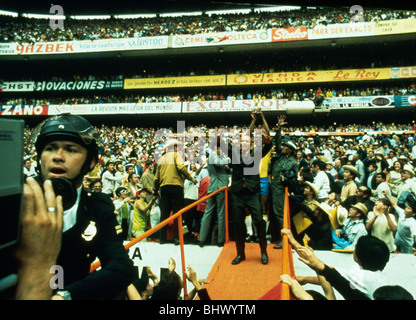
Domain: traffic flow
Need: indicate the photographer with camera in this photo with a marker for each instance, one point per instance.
(284, 173)
(68, 150)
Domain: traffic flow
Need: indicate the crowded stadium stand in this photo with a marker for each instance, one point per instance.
(339, 77)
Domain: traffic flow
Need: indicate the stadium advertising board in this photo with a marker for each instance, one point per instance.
(221, 38)
(361, 102)
(235, 105)
(405, 101)
(394, 26)
(85, 46)
(79, 85)
(345, 30)
(309, 76)
(289, 34)
(22, 86)
(8, 49)
(24, 110)
(175, 82)
(117, 108)
(403, 72)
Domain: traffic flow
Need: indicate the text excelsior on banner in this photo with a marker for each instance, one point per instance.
(234, 105)
(309, 76)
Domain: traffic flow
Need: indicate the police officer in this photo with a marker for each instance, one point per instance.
(284, 173)
(68, 149)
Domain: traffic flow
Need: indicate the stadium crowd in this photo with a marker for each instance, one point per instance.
(38, 30)
(295, 95)
(373, 150)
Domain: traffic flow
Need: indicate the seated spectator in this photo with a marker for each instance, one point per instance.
(352, 229)
(361, 281)
(362, 195)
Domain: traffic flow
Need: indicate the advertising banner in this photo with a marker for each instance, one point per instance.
(309, 76)
(24, 110)
(85, 46)
(221, 38)
(79, 85)
(8, 48)
(361, 102)
(405, 101)
(175, 82)
(403, 72)
(289, 34)
(117, 108)
(21, 86)
(235, 105)
(344, 30)
(394, 26)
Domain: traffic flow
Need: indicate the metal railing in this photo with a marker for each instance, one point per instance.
(287, 258)
(178, 216)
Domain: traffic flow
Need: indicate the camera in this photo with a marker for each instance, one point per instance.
(62, 187)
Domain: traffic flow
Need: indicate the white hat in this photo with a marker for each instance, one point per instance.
(409, 169)
(352, 169)
(313, 188)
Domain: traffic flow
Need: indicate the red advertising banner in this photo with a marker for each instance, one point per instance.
(23, 110)
(289, 34)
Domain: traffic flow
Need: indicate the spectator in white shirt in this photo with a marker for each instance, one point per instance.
(321, 180)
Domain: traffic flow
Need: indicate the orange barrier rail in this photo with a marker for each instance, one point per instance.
(178, 216)
(287, 258)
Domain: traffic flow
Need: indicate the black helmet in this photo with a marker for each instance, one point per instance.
(67, 127)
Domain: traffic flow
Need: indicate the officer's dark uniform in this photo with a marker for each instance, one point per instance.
(246, 194)
(281, 164)
(96, 234)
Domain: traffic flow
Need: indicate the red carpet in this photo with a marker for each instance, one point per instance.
(249, 280)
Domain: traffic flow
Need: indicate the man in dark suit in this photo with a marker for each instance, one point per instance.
(68, 150)
(245, 188)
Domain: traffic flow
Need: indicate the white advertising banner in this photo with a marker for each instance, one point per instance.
(17, 86)
(221, 38)
(86, 46)
(117, 108)
(361, 102)
(240, 105)
(344, 30)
